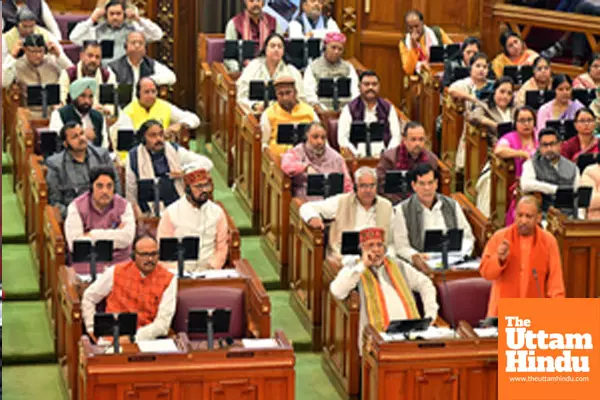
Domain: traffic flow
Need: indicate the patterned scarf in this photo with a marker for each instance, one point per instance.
(405, 160)
(376, 306)
(242, 23)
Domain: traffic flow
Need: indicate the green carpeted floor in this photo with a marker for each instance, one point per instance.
(19, 273)
(33, 382)
(13, 227)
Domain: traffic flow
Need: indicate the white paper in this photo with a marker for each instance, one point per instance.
(490, 332)
(473, 264)
(85, 278)
(260, 343)
(157, 346)
(432, 333)
(216, 274)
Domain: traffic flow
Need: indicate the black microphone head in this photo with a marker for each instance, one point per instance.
(229, 340)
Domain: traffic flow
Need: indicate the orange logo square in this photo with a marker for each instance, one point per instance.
(549, 349)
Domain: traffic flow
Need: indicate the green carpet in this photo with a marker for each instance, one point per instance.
(27, 336)
(19, 273)
(283, 317)
(260, 262)
(311, 381)
(13, 225)
(226, 196)
(33, 382)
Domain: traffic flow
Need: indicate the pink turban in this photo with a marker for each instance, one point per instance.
(335, 37)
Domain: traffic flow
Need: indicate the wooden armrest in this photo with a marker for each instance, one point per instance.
(259, 305)
(358, 66)
(234, 253)
(440, 323)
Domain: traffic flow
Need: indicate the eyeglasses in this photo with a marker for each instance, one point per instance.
(548, 144)
(525, 120)
(585, 121)
(203, 186)
(151, 254)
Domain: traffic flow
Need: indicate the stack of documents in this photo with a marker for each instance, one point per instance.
(432, 333)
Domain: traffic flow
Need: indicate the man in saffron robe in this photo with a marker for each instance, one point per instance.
(385, 286)
(522, 260)
(142, 285)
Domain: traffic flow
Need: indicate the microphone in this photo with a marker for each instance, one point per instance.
(537, 283)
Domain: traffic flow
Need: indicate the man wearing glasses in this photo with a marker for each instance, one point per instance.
(141, 285)
(352, 211)
(547, 170)
(196, 215)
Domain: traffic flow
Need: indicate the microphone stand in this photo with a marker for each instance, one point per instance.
(445, 267)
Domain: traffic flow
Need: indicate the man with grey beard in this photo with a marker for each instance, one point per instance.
(313, 156)
(547, 171)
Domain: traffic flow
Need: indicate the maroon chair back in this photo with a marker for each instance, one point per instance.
(212, 297)
(332, 134)
(215, 49)
(466, 299)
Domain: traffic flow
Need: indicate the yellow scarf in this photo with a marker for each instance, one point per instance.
(301, 113)
(376, 307)
(160, 111)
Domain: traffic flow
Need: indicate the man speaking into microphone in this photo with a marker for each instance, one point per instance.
(522, 260)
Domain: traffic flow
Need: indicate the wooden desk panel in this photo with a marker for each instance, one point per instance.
(452, 127)
(275, 217)
(429, 101)
(464, 368)
(579, 244)
(247, 162)
(11, 100)
(36, 203)
(233, 373)
(502, 181)
(204, 79)
(476, 153)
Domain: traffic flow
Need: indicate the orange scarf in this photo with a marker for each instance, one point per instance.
(376, 307)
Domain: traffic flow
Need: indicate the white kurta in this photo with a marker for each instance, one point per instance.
(327, 209)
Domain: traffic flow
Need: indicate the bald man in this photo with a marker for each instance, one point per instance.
(522, 260)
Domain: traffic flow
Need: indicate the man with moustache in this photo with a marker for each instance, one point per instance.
(142, 285)
(102, 214)
(250, 24)
(68, 173)
(313, 156)
(406, 156)
(547, 170)
(369, 107)
(311, 22)
(89, 66)
(522, 260)
(155, 158)
(287, 110)
(80, 110)
(384, 284)
(196, 215)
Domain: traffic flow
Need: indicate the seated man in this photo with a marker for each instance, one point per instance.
(80, 110)
(385, 286)
(155, 158)
(414, 49)
(591, 177)
(250, 24)
(89, 66)
(41, 65)
(406, 156)
(42, 14)
(426, 210)
(147, 106)
(196, 215)
(142, 285)
(68, 173)
(12, 40)
(329, 65)
(522, 260)
(350, 211)
(311, 22)
(287, 110)
(114, 27)
(102, 214)
(313, 157)
(369, 107)
(547, 170)
(135, 64)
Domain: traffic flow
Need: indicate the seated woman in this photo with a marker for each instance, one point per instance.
(497, 109)
(591, 79)
(268, 66)
(541, 80)
(591, 177)
(469, 47)
(584, 141)
(515, 53)
(470, 90)
(562, 107)
(519, 145)
(595, 107)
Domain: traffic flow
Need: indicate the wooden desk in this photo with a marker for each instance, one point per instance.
(11, 100)
(232, 373)
(476, 152)
(247, 162)
(36, 203)
(502, 180)
(204, 79)
(222, 109)
(70, 318)
(464, 368)
(429, 101)
(579, 244)
(452, 127)
(275, 217)
(307, 254)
